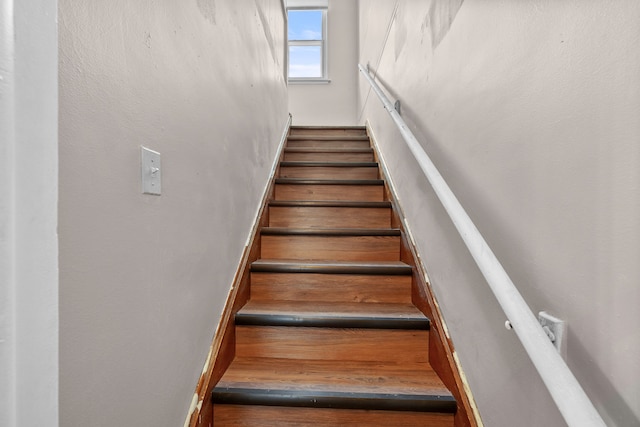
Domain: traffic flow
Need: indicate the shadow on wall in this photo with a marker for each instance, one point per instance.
(437, 22)
(440, 18)
(208, 9)
(266, 28)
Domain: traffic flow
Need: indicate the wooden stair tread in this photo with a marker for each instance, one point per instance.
(329, 170)
(278, 416)
(331, 267)
(328, 127)
(328, 137)
(285, 231)
(315, 287)
(329, 204)
(313, 164)
(328, 383)
(329, 214)
(328, 150)
(307, 181)
(327, 375)
(332, 314)
(329, 188)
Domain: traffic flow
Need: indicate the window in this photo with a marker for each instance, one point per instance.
(306, 34)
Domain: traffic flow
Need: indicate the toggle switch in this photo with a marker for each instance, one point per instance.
(151, 172)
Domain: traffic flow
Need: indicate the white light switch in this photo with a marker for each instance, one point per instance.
(151, 172)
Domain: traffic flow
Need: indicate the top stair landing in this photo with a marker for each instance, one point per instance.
(327, 131)
(328, 138)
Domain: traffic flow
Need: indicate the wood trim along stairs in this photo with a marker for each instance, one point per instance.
(201, 409)
(330, 319)
(442, 355)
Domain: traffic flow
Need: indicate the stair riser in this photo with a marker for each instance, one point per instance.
(330, 287)
(327, 132)
(329, 217)
(329, 172)
(346, 248)
(309, 143)
(328, 157)
(379, 345)
(359, 193)
(279, 416)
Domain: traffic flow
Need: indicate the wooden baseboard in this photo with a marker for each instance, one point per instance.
(441, 350)
(222, 348)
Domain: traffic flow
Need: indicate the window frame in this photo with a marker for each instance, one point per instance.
(324, 68)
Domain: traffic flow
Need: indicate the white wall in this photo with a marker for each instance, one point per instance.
(333, 103)
(143, 279)
(531, 111)
(28, 217)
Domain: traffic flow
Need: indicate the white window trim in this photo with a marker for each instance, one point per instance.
(310, 5)
(307, 4)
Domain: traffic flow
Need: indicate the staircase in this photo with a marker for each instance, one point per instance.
(329, 335)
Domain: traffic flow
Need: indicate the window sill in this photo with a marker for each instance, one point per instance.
(309, 81)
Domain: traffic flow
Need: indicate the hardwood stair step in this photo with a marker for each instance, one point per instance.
(329, 143)
(409, 346)
(348, 127)
(392, 268)
(330, 164)
(349, 244)
(306, 181)
(367, 150)
(325, 170)
(329, 204)
(329, 189)
(328, 156)
(329, 214)
(328, 131)
(330, 232)
(319, 137)
(281, 416)
(364, 154)
(332, 315)
(323, 288)
(327, 384)
(334, 400)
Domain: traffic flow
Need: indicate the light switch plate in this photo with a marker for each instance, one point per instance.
(151, 172)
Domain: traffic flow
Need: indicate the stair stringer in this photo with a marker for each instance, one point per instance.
(442, 355)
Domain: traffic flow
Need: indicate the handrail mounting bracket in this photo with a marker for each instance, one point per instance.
(554, 328)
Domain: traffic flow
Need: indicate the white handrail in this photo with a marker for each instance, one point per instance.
(570, 398)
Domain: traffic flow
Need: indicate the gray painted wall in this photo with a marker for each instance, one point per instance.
(531, 110)
(333, 103)
(143, 279)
